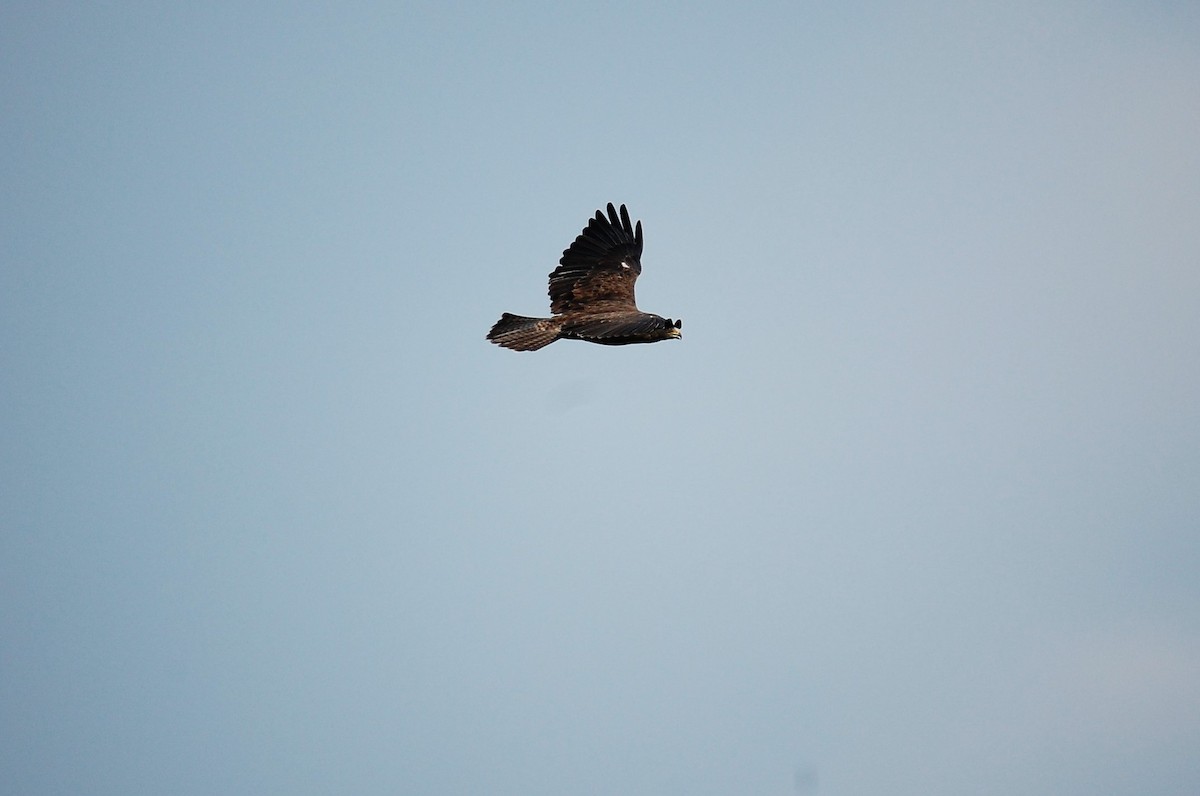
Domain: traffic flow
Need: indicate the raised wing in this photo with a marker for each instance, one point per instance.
(600, 267)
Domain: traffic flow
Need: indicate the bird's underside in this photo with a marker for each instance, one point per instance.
(591, 293)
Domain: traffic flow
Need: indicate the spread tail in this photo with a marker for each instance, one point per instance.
(524, 334)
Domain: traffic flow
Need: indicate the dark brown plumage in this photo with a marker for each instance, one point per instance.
(591, 293)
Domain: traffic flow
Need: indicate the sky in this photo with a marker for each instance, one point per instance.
(912, 508)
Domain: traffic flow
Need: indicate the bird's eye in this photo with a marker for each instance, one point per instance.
(625, 265)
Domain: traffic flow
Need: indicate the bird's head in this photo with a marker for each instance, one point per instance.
(674, 329)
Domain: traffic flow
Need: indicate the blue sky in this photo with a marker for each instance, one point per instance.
(914, 506)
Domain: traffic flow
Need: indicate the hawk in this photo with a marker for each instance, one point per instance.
(591, 293)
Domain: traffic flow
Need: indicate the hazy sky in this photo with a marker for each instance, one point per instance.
(913, 508)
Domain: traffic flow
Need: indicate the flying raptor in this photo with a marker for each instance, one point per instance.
(591, 293)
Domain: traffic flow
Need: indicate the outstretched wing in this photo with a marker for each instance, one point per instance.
(600, 267)
(622, 326)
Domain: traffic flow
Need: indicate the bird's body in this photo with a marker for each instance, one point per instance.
(591, 293)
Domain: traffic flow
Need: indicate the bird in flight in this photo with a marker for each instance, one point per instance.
(591, 293)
